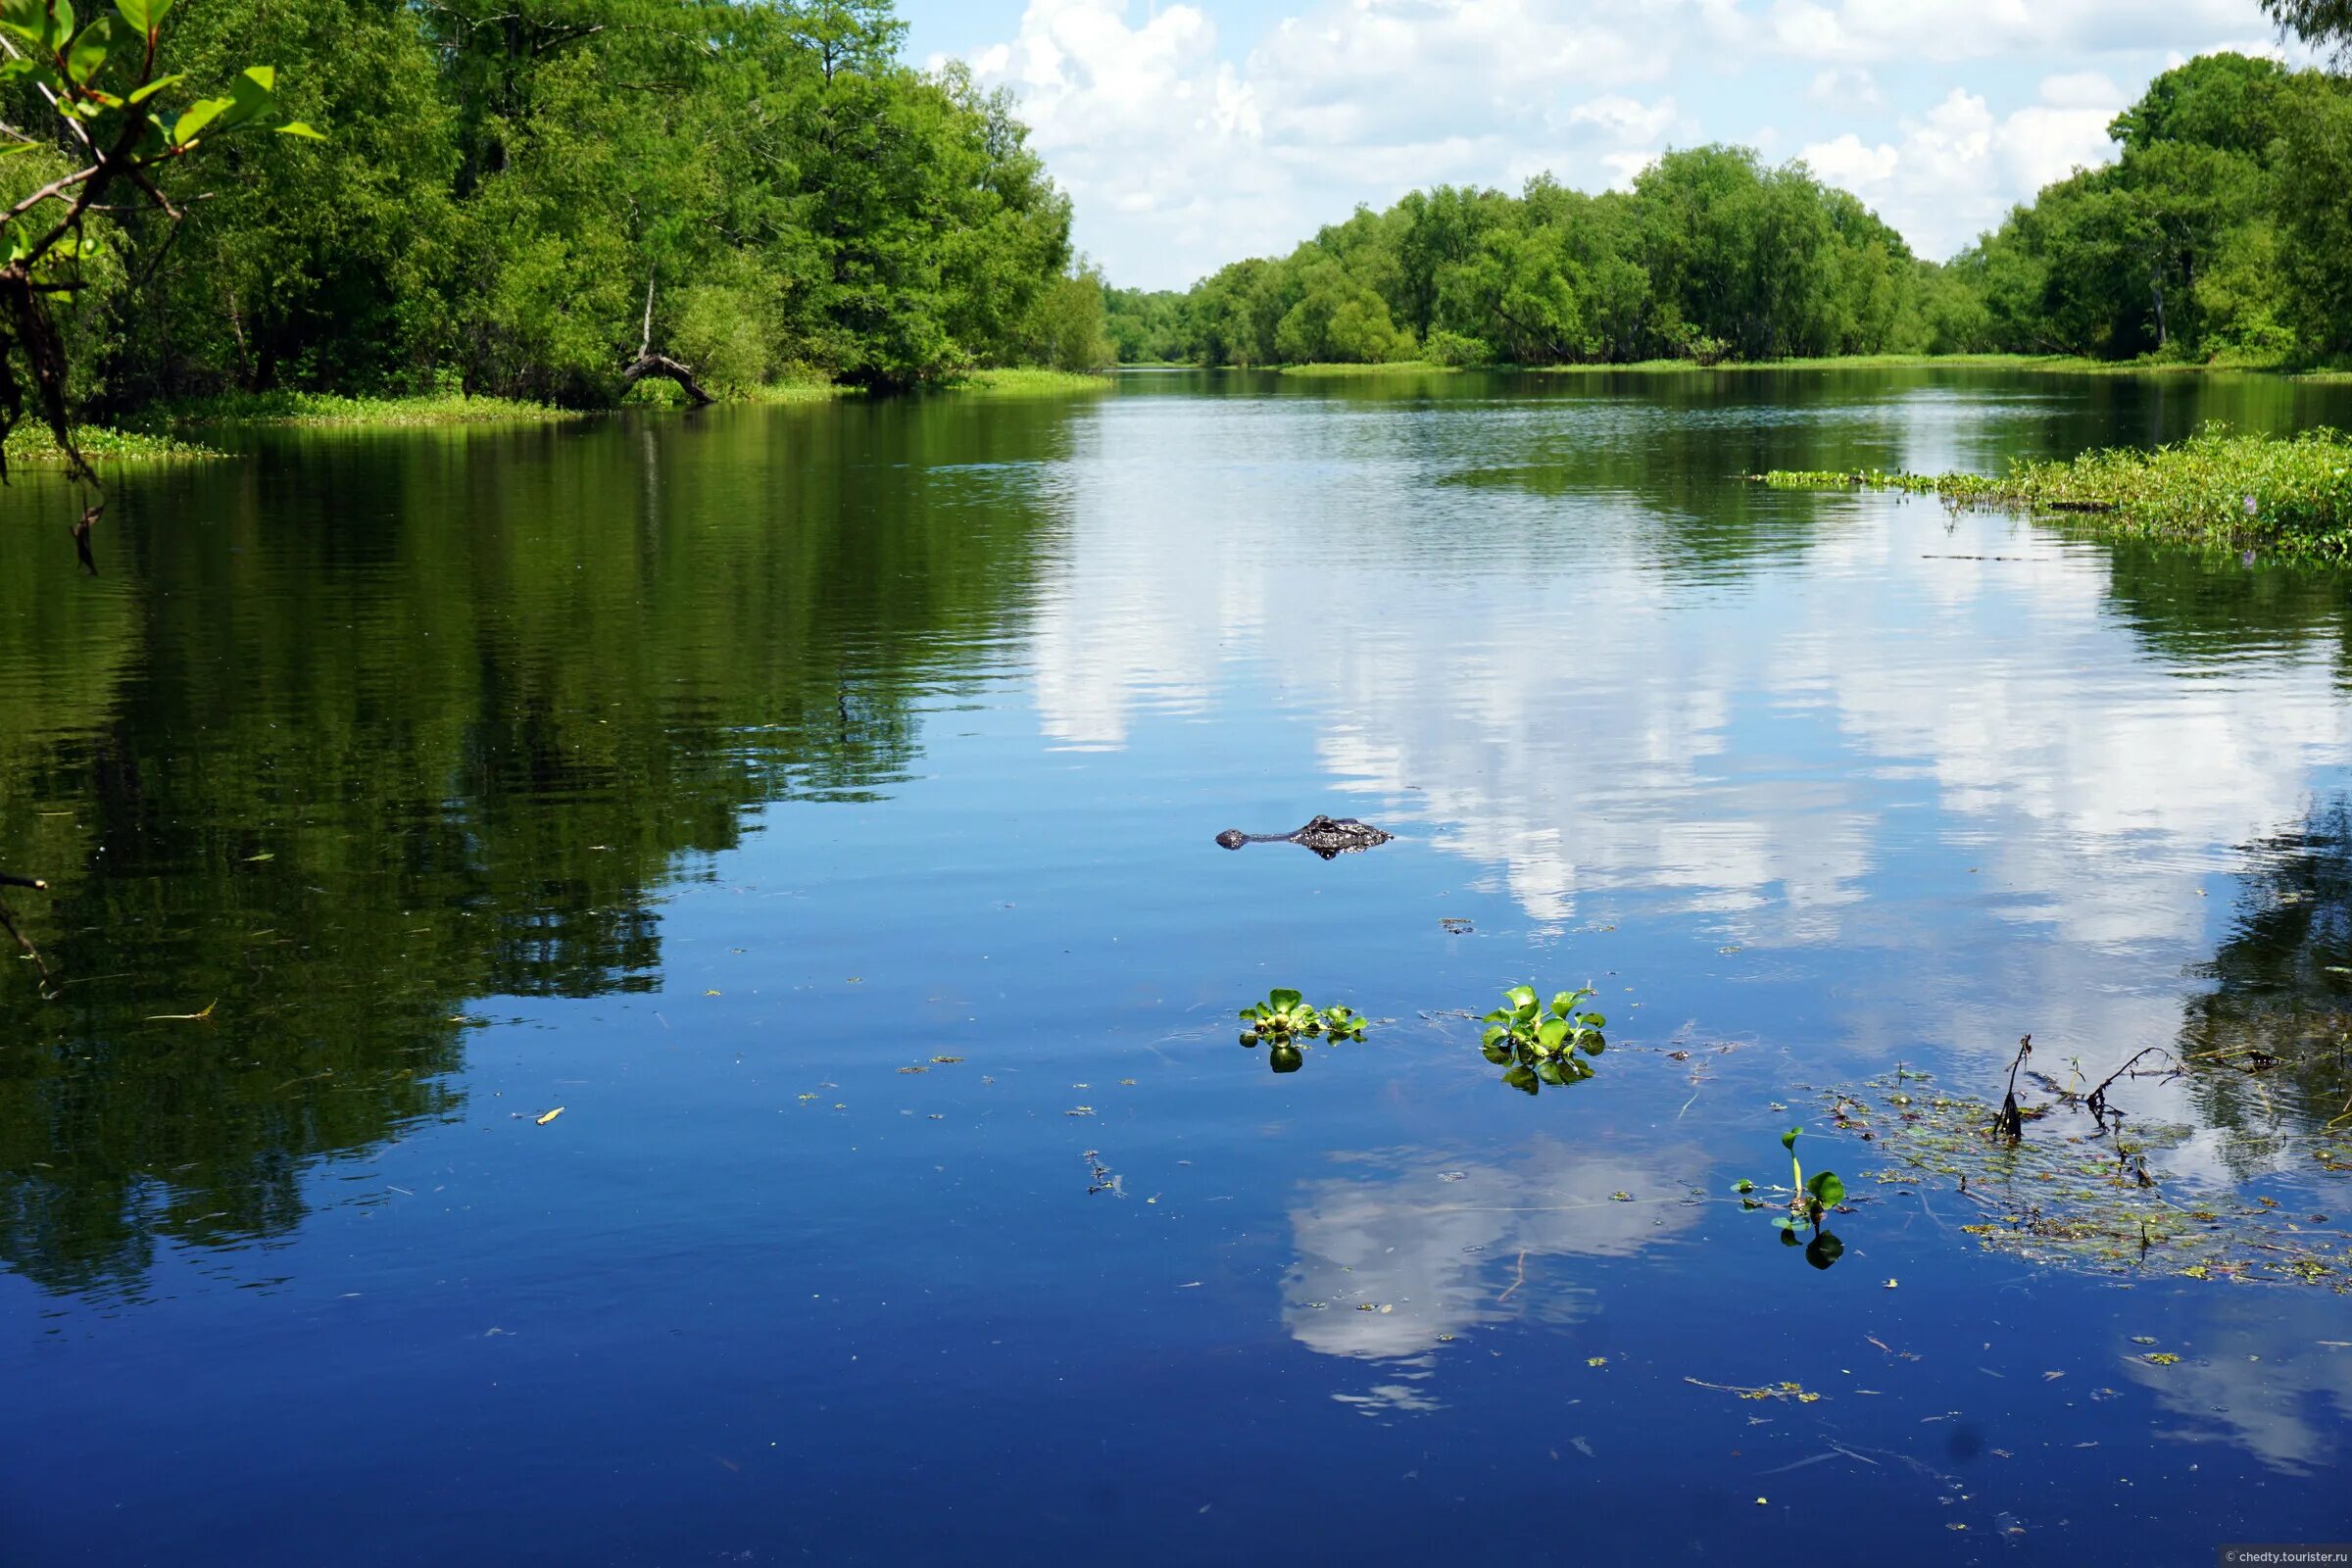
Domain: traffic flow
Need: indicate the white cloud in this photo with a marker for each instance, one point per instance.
(1977, 29)
(1958, 168)
(1184, 151)
(1846, 88)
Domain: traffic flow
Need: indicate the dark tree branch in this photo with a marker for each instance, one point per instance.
(8, 923)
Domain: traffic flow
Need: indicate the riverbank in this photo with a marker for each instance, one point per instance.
(2044, 364)
(327, 408)
(1025, 384)
(2284, 498)
(30, 443)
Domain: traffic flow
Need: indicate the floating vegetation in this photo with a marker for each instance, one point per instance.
(1284, 1021)
(1795, 1392)
(1541, 1044)
(2077, 1190)
(2287, 497)
(1806, 1199)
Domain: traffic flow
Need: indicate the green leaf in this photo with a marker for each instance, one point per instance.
(1551, 1032)
(1286, 1058)
(1743, 1185)
(1788, 1139)
(1824, 1249)
(11, 149)
(1285, 1001)
(90, 49)
(196, 117)
(1522, 1079)
(1593, 1021)
(252, 95)
(1495, 1035)
(1551, 1073)
(141, 95)
(1521, 997)
(1827, 1190)
(1592, 1045)
(144, 14)
(302, 128)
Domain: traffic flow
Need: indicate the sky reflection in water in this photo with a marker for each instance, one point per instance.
(706, 777)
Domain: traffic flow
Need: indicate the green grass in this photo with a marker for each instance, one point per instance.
(1028, 383)
(2045, 364)
(792, 392)
(654, 392)
(2287, 497)
(1387, 368)
(30, 442)
(326, 408)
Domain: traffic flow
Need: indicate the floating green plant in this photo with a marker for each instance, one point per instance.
(1285, 1019)
(2288, 496)
(2080, 1193)
(1544, 1045)
(1809, 1199)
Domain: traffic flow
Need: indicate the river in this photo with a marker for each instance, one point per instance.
(815, 806)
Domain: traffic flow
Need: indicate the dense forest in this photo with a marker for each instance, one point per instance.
(522, 197)
(2222, 230)
(503, 183)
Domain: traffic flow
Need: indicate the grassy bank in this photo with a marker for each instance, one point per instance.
(32, 443)
(1389, 368)
(2289, 499)
(1018, 384)
(326, 408)
(2046, 364)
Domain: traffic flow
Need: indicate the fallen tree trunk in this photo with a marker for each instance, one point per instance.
(662, 365)
(649, 363)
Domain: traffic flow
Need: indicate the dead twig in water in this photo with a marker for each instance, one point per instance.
(2096, 1101)
(8, 921)
(1517, 1282)
(2009, 1123)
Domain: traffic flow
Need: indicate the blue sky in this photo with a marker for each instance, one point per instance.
(1193, 135)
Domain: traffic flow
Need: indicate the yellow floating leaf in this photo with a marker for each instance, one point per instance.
(550, 1116)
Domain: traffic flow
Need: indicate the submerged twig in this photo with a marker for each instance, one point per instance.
(8, 921)
(2010, 1124)
(2096, 1101)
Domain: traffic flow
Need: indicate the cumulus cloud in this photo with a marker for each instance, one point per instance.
(1957, 168)
(1186, 149)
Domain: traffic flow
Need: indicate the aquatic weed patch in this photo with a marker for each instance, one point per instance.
(34, 444)
(2096, 1199)
(1539, 1044)
(2289, 498)
(1286, 1020)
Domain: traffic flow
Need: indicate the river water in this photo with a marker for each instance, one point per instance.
(816, 804)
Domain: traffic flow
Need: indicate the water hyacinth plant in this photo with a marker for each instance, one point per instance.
(1544, 1045)
(2285, 497)
(1810, 1197)
(1285, 1019)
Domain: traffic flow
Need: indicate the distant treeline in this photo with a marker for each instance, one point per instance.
(2223, 228)
(503, 181)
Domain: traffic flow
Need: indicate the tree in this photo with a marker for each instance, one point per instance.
(100, 84)
(2315, 218)
(99, 81)
(2325, 23)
